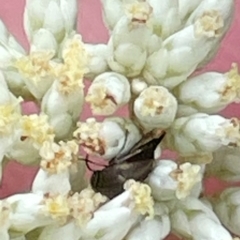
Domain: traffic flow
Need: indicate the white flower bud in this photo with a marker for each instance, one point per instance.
(201, 133)
(10, 110)
(47, 183)
(164, 12)
(108, 92)
(5, 211)
(138, 85)
(113, 10)
(132, 40)
(123, 211)
(98, 55)
(153, 229)
(227, 207)
(201, 225)
(40, 14)
(26, 213)
(186, 7)
(155, 107)
(225, 9)
(43, 39)
(10, 51)
(63, 118)
(68, 231)
(225, 164)
(210, 92)
(55, 164)
(115, 214)
(113, 136)
(168, 180)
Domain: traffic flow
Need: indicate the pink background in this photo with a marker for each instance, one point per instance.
(18, 178)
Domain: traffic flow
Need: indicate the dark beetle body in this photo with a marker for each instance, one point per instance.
(135, 165)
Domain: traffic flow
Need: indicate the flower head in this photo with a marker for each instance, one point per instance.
(141, 199)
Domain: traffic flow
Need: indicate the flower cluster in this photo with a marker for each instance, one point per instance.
(150, 64)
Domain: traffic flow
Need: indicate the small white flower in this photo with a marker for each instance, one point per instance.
(107, 93)
(169, 181)
(123, 211)
(61, 232)
(138, 85)
(210, 92)
(201, 133)
(163, 11)
(152, 229)
(43, 39)
(113, 10)
(10, 49)
(225, 164)
(186, 8)
(227, 207)
(201, 225)
(225, 9)
(113, 136)
(98, 55)
(155, 107)
(10, 112)
(36, 68)
(84, 204)
(5, 212)
(33, 130)
(132, 40)
(26, 213)
(55, 164)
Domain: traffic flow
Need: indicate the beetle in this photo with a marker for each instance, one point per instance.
(137, 164)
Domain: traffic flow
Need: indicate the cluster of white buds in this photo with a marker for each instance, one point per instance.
(150, 64)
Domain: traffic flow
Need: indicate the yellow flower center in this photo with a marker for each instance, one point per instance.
(142, 201)
(210, 24)
(57, 157)
(139, 12)
(36, 66)
(37, 128)
(84, 204)
(56, 207)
